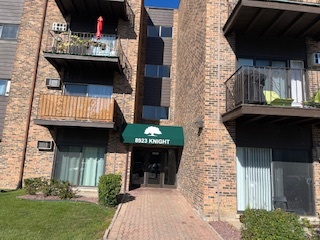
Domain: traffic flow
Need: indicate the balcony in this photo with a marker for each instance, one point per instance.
(273, 94)
(59, 110)
(112, 9)
(292, 19)
(82, 51)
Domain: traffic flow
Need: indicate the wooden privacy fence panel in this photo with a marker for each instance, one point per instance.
(76, 108)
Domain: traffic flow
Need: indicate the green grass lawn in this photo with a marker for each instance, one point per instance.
(31, 220)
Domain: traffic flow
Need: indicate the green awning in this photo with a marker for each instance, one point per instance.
(153, 134)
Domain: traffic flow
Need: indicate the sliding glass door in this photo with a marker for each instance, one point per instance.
(292, 179)
(81, 166)
(265, 173)
(297, 83)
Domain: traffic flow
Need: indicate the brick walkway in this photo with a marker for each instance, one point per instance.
(159, 214)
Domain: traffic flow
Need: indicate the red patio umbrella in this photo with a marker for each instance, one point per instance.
(99, 27)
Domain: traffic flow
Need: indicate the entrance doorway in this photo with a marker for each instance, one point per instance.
(154, 167)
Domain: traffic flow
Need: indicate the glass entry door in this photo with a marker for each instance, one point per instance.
(153, 167)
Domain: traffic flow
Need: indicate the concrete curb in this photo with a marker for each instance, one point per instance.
(106, 234)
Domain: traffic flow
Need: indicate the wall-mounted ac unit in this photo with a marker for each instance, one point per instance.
(53, 82)
(59, 27)
(45, 145)
(315, 59)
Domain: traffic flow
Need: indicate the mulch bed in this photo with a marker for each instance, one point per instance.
(41, 197)
(226, 230)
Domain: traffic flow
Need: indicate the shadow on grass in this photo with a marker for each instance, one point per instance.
(6, 190)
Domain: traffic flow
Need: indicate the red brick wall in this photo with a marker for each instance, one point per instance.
(21, 88)
(40, 163)
(204, 61)
(189, 99)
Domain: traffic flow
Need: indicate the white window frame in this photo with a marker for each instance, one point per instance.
(7, 87)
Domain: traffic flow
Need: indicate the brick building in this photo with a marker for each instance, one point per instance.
(248, 70)
(91, 94)
(72, 89)
(218, 99)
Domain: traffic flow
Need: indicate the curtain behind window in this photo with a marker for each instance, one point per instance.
(92, 166)
(254, 178)
(67, 164)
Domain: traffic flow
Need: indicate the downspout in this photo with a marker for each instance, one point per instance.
(218, 112)
(126, 171)
(33, 84)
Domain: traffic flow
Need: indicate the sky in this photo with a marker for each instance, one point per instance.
(162, 3)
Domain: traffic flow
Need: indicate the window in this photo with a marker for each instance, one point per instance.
(80, 165)
(261, 62)
(166, 32)
(158, 71)
(153, 31)
(90, 90)
(159, 31)
(4, 87)
(155, 112)
(9, 31)
(263, 173)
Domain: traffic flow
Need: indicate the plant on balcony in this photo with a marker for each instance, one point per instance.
(314, 101)
(102, 45)
(273, 99)
(74, 44)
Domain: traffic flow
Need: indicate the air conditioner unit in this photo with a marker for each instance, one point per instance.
(315, 59)
(45, 145)
(59, 27)
(53, 82)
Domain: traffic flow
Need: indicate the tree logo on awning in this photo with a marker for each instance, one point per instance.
(152, 131)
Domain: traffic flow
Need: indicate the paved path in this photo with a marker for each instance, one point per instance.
(154, 214)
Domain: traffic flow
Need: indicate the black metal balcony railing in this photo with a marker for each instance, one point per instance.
(268, 86)
(129, 13)
(86, 44)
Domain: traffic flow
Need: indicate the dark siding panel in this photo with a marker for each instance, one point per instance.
(90, 25)
(159, 51)
(7, 54)
(3, 106)
(81, 136)
(11, 11)
(103, 78)
(165, 93)
(273, 136)
(157, 92)
(152, 91)
(270, 48)
(160, 17)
